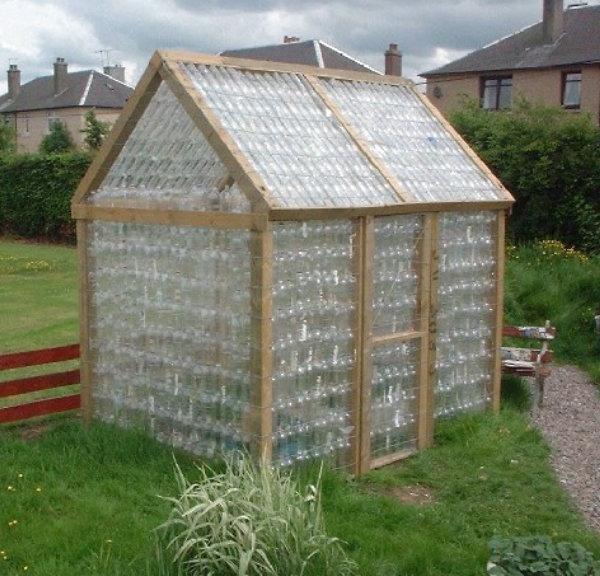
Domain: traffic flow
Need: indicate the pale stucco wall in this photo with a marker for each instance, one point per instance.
(31, 127)
(539, 86)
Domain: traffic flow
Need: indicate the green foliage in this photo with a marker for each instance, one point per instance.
(36, 191)
(95, 130)
(250, 521)
(547, 281)
(7, 139)
(550, 160)
(537, 555)
(58, 140)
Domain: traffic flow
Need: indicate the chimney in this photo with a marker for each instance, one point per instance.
(14, 81)
(290, 39)
(117, 72)
(553, 24)
(393, 61)
(60, 76)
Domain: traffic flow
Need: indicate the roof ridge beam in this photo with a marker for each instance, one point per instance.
(401, 192)
(248, 179)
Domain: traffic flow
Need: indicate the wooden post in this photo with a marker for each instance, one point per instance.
(425, 398)
(366, 279)
(84, 322)
(261, 342)
(429, 423)
(496, 383)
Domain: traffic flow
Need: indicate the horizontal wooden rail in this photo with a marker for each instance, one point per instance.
(37, 357)
(27, 385)
(37, 383)
(39, 408)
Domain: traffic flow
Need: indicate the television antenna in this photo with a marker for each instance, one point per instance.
(105, 56)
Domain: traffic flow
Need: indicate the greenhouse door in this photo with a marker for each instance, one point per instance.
(396, 406)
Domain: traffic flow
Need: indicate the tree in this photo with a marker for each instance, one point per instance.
(550, 160)
(58, 140)
(7, 139)
(95, 130)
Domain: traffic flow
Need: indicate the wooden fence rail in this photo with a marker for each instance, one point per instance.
(30, 384)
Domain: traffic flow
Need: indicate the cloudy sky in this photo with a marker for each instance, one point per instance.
(429, 32)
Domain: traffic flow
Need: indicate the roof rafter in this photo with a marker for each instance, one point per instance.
(135, 107)
(403, 194)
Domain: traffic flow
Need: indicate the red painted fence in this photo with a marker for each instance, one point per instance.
(37, 383)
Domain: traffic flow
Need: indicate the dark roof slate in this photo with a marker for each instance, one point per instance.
(308, 52)
(580, 44)
(88, 88)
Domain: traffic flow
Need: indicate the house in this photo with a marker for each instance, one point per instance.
(317, 53)
(555, 62)
(64, 97)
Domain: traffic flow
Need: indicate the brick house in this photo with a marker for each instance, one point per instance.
(555, 62)
(64, 97)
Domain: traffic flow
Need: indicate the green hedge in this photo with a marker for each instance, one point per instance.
(550, 160)
(36, 191)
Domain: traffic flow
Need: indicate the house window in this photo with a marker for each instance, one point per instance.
(571, 90)
(496, 93)
(52, 119)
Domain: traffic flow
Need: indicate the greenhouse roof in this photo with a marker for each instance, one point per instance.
(298, 137)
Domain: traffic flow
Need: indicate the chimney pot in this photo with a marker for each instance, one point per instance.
(553, 23)
(393, 61)
(60, 75)
(117, 72)
(14, 81)
(290, 39)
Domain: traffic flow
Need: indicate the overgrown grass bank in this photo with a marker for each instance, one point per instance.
(547, 281)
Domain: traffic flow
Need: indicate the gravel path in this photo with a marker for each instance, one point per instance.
(570, 421)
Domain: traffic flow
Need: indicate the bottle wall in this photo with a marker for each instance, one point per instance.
(314, 307)
(170, 332)
(466, 316)
(167, 160)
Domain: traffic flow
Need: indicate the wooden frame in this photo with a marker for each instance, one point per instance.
(167, 67)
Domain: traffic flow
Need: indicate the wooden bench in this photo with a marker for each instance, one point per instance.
(529, 362)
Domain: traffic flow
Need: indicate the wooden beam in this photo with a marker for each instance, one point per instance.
(368, 251)
(357, 383)
(362, 145)
(284, 67)
(391, 458)
(466, 148)
(262, 338)
(221, 220)
(425, 392)
(499, 316)
(428, 425)
(131, 113)
(240, 168)
(393, 338)
(84, 322)
(300, 214)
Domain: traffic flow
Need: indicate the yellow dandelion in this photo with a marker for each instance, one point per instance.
(38, 489)
(20, 475)
(109, 541)
(25, 567)
(10, 488)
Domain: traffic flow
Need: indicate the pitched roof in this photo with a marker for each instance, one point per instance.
(580, 44)
(309, 52)
(88, 88)
(291, 136)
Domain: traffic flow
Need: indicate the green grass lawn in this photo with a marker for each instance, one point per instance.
(97, 501)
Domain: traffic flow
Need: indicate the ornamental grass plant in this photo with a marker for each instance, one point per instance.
(248, 520)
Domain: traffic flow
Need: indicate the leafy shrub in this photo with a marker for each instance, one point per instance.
(7, 139)
(550, 160)
(36, 191)
(538, 555)
(57, 141)
(248, 521)
(95, 130)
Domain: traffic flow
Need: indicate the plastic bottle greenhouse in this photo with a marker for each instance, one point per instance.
(299, 262)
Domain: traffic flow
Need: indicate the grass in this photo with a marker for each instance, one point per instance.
(488, 475)
(549, 282)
